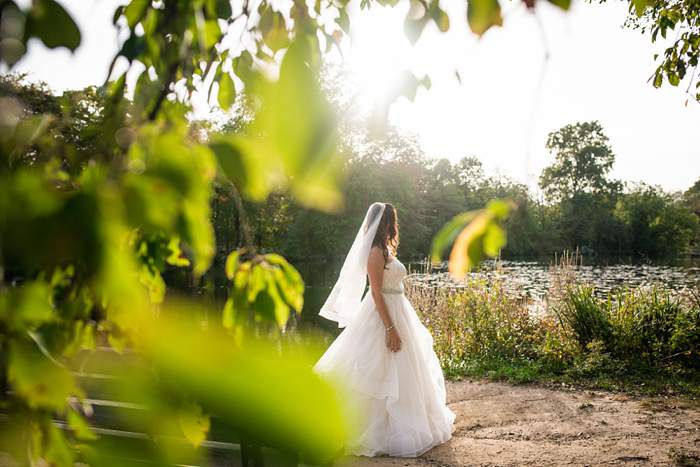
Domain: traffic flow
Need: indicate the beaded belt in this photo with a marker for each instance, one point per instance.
(392, 291)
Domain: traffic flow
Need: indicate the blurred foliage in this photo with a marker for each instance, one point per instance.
(100, 194)
(479, 234)
(45, 20)
(264, 287)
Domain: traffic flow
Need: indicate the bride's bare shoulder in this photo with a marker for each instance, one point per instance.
(376, 257)
(376, 252)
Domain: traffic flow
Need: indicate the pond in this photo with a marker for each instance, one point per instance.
(525, 279)
(530, 279)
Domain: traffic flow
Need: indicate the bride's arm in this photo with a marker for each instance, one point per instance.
(375, 271)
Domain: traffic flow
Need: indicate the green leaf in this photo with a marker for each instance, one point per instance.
(194, 423)
(219, 8)
(223, 9)
(118, 12)
(243, 67)
(135, 11)
(447, 234)
(176, 256)
(288, 281)
(51, 23)
(476, 235)
(242, 161)
(257, 281)
(231, 265)
(290, 291)
(674, 79)
(639, 6)
(343, 20)
(494, 239)
(442, 21)
(499, 208)
(132, 48)
(57, 451)
(273, 29)
(13, 33)
(240, 384)
(563, 4)
(409, 84)
(483, 14)
(281, 308)
(298, 130)
(77, 424)
(211, 34)
(227, 91)
(26, 307)
(41, 382)
(154, 282)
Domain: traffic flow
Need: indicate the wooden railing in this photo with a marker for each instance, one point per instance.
(111, 418)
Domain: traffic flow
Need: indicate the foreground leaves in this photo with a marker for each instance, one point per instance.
(264, 287)
(237, 384)
(45, 20)
(291, 143)
(483, 14)
(474, 235)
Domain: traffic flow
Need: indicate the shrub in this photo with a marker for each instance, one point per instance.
(480, 329)
(585, 317)
(479, 320)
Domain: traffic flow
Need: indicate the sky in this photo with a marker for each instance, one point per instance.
(519, 82)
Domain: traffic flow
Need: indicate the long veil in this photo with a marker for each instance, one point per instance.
(344, 300)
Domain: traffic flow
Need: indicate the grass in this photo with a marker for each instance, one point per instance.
(641, 381)
(683, 458)
(642, 341)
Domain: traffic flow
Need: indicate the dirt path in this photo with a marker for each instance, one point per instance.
(500, 424)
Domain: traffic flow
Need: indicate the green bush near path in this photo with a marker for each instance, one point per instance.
(644, 340)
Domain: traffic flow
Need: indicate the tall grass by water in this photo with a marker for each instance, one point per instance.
(638, 339)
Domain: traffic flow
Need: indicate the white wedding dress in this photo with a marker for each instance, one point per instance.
(400, 395)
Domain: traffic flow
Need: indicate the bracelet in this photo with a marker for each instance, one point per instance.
(389, 328)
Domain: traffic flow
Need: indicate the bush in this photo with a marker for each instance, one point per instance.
(584, 317)
(479, 320)
(622, 339)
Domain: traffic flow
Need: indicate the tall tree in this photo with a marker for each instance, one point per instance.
(583, 160)
(578, 182)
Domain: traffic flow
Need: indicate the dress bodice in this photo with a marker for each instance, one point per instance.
(394, 273)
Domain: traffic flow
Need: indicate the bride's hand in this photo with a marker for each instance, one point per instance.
(393, 341)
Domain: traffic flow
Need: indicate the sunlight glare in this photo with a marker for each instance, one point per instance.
(377, 53)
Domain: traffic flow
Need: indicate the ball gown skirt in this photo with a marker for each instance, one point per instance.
(400, 396)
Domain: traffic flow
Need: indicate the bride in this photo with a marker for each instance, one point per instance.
(384, 357)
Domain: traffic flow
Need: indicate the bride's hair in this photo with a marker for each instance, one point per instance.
(387, 236)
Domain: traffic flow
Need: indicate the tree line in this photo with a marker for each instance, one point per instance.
(580, 206)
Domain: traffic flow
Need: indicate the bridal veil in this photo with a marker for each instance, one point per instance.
(344, 300)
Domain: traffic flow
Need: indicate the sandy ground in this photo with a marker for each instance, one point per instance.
(500, 424)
